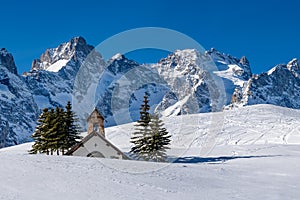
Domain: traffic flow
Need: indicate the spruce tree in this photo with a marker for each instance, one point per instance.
(39, 134)
(144, 113)
(55, 134)
(72, 129)
(55, 131)
(158, 141)
(47, 148)
(150, 139)
(142, 132)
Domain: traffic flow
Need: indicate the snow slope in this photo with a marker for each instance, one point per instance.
(257, 172)
(55, 67)
(257, 124)
(255, 155)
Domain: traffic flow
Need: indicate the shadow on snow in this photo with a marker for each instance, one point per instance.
(221, 159)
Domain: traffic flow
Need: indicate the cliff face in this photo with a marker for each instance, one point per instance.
(7, 61)
(18, 110)
(279, 86)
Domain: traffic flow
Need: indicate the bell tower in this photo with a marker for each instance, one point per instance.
(95, 122)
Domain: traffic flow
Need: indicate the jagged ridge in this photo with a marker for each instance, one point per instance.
(185, 82)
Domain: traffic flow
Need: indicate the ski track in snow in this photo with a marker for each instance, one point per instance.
(255, 155)
(258, 124)
(256, 172)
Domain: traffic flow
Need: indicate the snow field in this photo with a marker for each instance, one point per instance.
(255, 154)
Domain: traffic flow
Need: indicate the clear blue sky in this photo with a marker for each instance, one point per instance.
(267, 32)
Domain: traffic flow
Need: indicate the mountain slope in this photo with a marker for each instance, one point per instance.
(279, 86)
(23, 97)
(200, 82)
(17, 106)
(185, 82)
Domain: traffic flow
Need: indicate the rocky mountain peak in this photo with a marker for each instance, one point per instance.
(293, 64)
(244, 61)
(78, 41)
(120, 64)
(186, 52)
(181, 60)
(54, 58)
(278, 86)
(7, 60)
(118, 56)
(239, 67)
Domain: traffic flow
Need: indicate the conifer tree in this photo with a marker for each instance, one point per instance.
(142, 132)
(52, 132)
(158, 141)
(55, 131)
(144, 113)
(150, 139)
(72, 129)
(42, 126)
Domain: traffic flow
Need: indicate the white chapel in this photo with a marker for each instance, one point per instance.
(95, 144)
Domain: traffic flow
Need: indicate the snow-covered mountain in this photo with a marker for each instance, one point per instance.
(18, 110)
(48, 84)
(279, 86)
(68, 53)
(200, 82)
(178, 84)
(185, 82)
(51, 78)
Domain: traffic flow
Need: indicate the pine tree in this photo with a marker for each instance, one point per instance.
(51, 133)
(72, 129)
(55, 131)
(158, 141)
(142, 132)
(39, 133)
(150, 139)
(144, 113)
